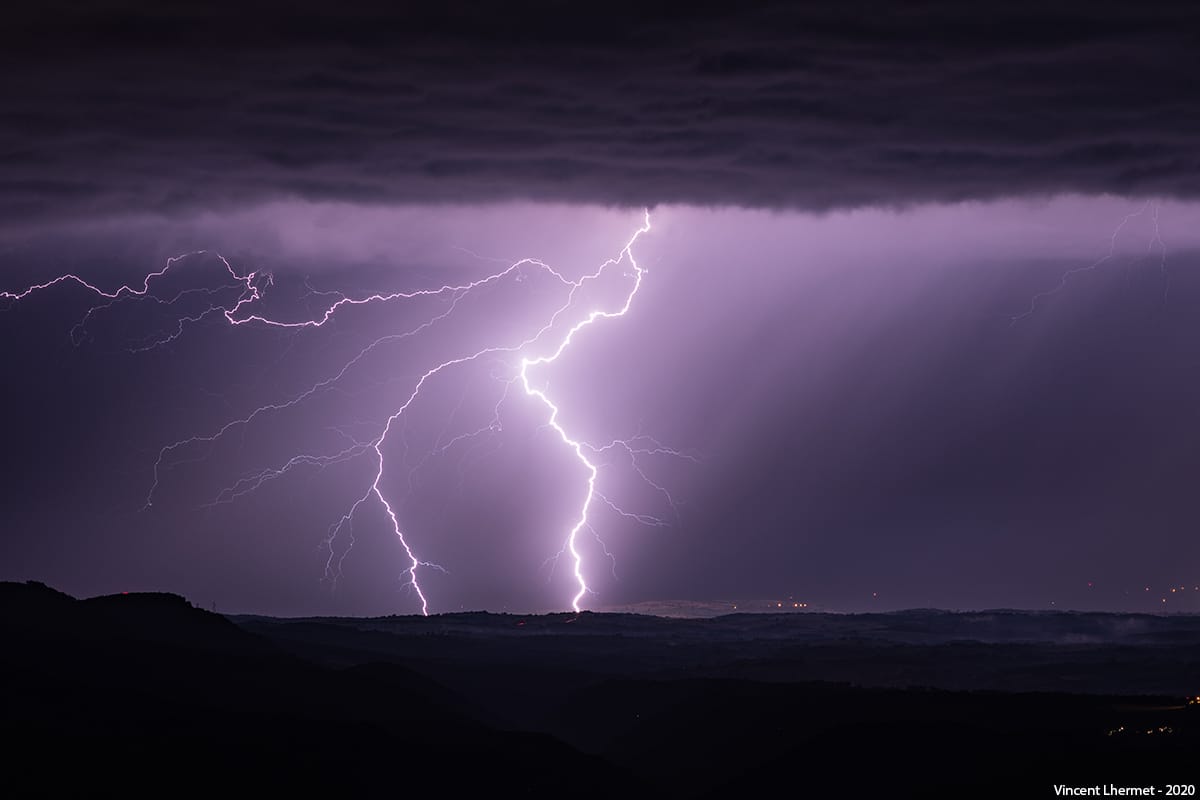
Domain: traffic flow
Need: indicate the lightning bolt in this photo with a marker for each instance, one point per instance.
(235, 301)
(577, 446)
(1155, 239)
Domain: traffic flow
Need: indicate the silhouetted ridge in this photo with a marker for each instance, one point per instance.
(23, 601)
(146, 695)
(143, 694)
(142, 616)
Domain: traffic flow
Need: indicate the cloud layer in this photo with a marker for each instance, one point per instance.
(110, 109)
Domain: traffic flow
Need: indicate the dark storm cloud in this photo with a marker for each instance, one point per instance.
(111, 107)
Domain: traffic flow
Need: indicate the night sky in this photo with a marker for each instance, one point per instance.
(912, 324)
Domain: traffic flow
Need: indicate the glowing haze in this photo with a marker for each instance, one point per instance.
(371, 409)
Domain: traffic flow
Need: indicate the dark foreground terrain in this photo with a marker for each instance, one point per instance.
(144, 694)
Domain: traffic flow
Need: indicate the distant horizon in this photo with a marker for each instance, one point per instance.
(670, 609)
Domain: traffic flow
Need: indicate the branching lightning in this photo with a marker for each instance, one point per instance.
(1156, 240)
(522, 361)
